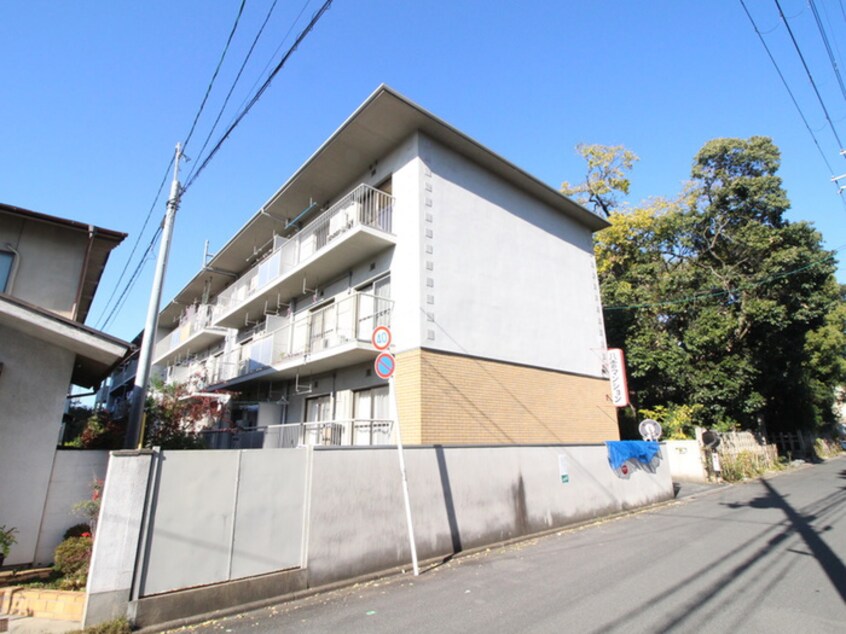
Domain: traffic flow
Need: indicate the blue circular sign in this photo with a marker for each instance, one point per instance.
(385, 365)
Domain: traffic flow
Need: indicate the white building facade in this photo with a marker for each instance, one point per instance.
(485, 276)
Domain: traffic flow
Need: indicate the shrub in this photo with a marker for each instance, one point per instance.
(742, 466)
(77, 530)
(117, 626)
(71, 560)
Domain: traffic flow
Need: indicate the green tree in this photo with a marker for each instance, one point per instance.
(607, 176)
(724, 307)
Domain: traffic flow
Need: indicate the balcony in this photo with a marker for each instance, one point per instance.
(354, 228)
(333, 336)
(355, 432)
(195, 332)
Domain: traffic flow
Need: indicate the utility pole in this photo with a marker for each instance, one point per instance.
(145, 360)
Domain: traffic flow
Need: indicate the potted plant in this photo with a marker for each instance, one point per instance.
(7, 538)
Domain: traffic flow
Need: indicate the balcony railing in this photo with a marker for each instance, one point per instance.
(364, 206)
(358, 432)
(123, 375)
(195, 319)
(350, 319)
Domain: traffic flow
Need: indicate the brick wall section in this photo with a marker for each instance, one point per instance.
(464, 400)
(60, 605)
(409, 395)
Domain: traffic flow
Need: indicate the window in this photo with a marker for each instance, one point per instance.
(374, 307)
(7, 270)
(372, 416)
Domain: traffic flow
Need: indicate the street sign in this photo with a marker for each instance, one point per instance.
(649, 429)
(381, 337)
(385, 365)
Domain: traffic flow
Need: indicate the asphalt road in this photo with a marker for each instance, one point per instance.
(764, 556)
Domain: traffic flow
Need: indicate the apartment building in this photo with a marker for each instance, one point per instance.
(484, 274)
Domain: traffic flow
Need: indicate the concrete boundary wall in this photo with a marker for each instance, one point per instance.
(74, 473)
(461, 498)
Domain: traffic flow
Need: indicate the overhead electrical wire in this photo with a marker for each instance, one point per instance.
(711, 294)
(787, 88)
(827, 45)
(275, 53)
(214, 75)
(133, 278)
(135, 245)
(195, 173)
(314, 20)
(810, 76)
(234, 83)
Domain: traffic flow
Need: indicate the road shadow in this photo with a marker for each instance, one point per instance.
(713, 599)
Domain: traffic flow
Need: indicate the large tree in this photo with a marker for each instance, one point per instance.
(727, 312)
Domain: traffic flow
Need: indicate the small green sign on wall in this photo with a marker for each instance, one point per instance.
(562, 469)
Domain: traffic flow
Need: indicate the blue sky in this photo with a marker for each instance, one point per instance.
(97, 93)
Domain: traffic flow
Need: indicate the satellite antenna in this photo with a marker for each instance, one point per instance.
(649, 429)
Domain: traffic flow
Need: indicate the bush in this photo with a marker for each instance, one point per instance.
(743, 466)
(77, 530)
(117, 626)
(71, 559)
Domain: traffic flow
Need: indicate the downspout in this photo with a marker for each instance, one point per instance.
(92, 232)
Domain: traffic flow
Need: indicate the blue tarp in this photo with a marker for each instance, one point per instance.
(621, 450)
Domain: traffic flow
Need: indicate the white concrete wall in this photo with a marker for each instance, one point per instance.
(508, 277)
(74, 473)
(461, 497)
(50, 260)
(33, 386)
(119, 528)
(685, 458)
(351, 503)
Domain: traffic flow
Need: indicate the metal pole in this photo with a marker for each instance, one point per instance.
(145, 358)
(404, 480)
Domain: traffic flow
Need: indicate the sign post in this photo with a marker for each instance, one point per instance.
(384, 366)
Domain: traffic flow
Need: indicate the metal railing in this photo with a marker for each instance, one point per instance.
(358, 432)
(193, 320)
(124, 374)
(364, 206)
(352, 318)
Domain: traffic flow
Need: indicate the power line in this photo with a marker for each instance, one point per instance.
(133, 278)
(810, 76)
(827, 47)
(235, 83)
(711, 294)
(259, 93)
(275, 53)
(792, 98)
(216, 71)
(135, 245)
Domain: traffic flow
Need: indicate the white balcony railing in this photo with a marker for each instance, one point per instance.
(364, 206)
(352, 318)
(358, 432)
(195, 319)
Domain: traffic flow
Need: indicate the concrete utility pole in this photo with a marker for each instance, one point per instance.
(145, 359)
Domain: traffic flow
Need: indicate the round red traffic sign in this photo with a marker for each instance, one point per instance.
(381, 337)
(385, 365)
